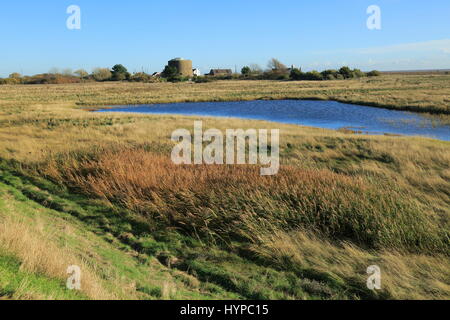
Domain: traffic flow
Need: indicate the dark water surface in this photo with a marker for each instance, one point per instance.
(322, 114)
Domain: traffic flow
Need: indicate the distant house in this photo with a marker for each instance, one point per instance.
(197, 72)
(221, 72)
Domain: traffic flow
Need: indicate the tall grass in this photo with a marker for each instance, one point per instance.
(403, 276)
(340, 201)
(38, 253)
(234, 203)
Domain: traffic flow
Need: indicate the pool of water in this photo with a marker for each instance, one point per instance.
(322, 114)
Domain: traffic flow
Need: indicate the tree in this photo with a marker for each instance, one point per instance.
(120, 73)
(81, 73)
(255, 68)
(277, 70)
(246, 71)
(118, 68)
(276, 65)
(170, 73)
(15, 75)
(346, 72)
(297, 74)
(67, 72)
(101, 74)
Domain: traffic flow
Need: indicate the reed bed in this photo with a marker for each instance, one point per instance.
(232, 203)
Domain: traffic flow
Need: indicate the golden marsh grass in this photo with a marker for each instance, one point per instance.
(377, 199)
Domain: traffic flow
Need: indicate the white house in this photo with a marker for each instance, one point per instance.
(197, 72)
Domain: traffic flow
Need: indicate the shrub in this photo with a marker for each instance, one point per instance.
(119, 77)
(374, 73)
(141, 77)
(313, 76)
(297, 74)
(48, 78)
(222, 77)
(330, 74)
(246, 71)
(346, 72)
(120, 73)
(178, 78)
(9, 81)
(15, 75)
(81, 73)
(276, 70)
(204, 79)
(170, 73)
(276, 65)
(101, 74)
(276, 75)
(282, 77)
(67, 72)
(358, 73)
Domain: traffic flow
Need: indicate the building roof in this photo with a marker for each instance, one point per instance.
(179, 59)
(213, 71)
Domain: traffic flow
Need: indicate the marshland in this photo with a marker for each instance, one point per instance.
(100, 190)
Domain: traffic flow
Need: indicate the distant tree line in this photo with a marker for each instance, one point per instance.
(278, 71)
(275, 71)
(56, 76)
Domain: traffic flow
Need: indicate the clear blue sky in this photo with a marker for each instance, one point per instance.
(144, 34)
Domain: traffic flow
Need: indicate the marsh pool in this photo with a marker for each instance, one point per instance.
(322, 114)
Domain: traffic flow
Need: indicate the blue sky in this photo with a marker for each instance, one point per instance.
(144, 34)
